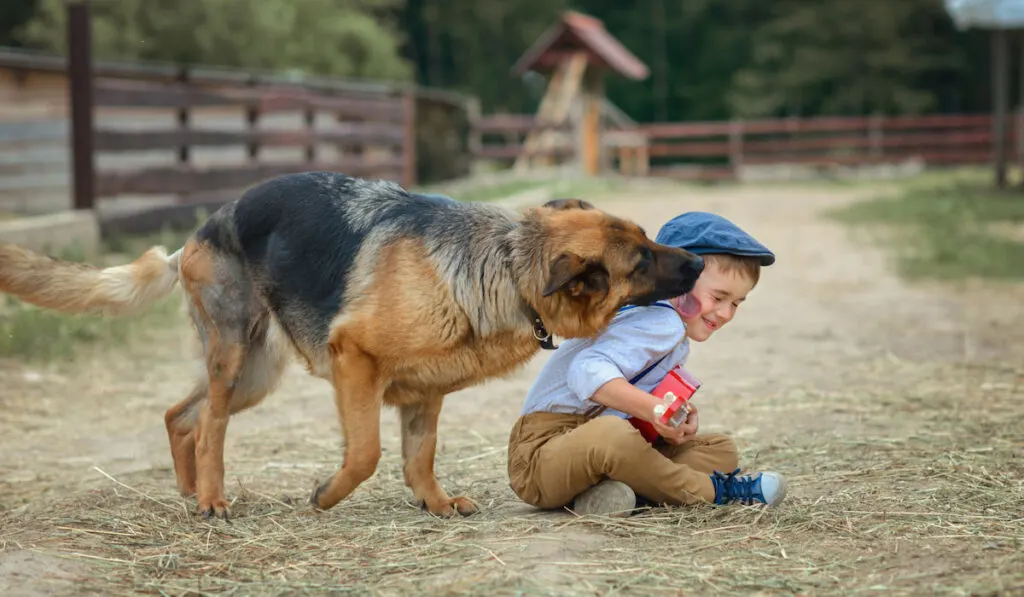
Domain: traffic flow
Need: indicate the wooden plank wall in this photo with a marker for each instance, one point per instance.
(33, 143)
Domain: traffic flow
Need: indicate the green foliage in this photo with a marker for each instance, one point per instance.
(13, 15)
(948, 227)
(29, 333)
(471, 46)
(692, 48)
(842, 57)
(709, 59)
(345, 38)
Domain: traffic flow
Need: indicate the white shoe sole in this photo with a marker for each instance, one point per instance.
(607, 498)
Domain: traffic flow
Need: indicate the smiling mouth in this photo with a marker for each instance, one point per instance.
(710, 325)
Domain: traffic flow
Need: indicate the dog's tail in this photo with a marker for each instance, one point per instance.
(79, 288)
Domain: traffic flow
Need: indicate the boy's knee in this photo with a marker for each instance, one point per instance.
(726, 454)
(613, 436)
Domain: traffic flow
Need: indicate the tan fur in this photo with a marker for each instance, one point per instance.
(79, 288)
(385, 351)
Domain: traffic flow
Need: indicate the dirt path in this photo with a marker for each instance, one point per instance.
(829, 324)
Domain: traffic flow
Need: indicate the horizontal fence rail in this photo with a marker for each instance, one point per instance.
(722, 150)
(502, 136)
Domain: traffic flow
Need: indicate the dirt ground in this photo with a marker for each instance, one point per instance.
(895, 410)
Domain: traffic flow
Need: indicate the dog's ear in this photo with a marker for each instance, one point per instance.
(571, 273)
(568, 204)
(563, 271)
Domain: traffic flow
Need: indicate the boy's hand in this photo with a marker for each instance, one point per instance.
(682, 434)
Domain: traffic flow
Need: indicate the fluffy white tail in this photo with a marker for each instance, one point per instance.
(79, 288)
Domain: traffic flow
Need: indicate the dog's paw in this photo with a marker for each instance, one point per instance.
(216, 508)
(448, 508)
(315, 499)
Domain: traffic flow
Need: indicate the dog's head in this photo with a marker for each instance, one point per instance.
(594, 263)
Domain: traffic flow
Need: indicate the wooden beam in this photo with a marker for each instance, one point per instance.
(816, 125)
(559, 99)
(923, 140)
(409, 177)
(348, 134)
(1000, 101)
(516, 123)
(593, 91)
(112, 93)
(80, 89)
(184, 180)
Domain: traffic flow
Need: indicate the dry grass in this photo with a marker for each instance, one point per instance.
(918, 487)
(906, 477)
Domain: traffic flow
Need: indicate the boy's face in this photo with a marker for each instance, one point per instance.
(720, 293)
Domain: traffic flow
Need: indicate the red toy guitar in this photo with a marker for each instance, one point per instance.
(675, 390)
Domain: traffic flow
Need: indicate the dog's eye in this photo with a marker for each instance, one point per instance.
(644, 263)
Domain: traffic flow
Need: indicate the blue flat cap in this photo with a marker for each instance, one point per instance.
(700, 232)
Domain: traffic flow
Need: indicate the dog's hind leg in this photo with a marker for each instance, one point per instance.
(181, 420)
(419, 443)
(357, 392)
(238, 341)
(264, 365)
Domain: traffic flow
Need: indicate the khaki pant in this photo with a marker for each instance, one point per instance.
(554, 457)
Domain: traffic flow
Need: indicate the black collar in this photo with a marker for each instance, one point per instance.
(540, 332)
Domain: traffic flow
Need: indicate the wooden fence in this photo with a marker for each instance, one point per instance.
(363, 134)
(724, 150)
(159, 141)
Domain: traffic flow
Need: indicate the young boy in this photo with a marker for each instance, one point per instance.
(573, 444)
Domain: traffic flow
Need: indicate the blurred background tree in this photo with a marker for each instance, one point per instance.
(344, 38)
(709, 59)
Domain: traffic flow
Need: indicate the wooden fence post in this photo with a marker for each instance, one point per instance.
(875, 136)
(409, 140)
(79, 32)
(183, 119)
(310, 119)
(736, 147)
(1000, 101)
(475, 143)
(252, 119)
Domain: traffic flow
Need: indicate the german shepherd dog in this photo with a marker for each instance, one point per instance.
(393, 297)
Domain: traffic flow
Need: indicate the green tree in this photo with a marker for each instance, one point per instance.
(692, 48)
(841, 57)
(345, 38)
(13, 15)
(471, 46)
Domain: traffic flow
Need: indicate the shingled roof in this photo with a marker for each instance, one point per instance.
(576, 31)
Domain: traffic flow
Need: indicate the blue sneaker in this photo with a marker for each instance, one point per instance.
(764, 488)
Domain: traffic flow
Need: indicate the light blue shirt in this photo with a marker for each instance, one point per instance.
(636, 338)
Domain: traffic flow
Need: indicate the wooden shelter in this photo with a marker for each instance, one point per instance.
(1001, 17)
(576, 53)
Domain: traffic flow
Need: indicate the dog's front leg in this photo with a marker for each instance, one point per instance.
(357, 393)
(419, 443)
